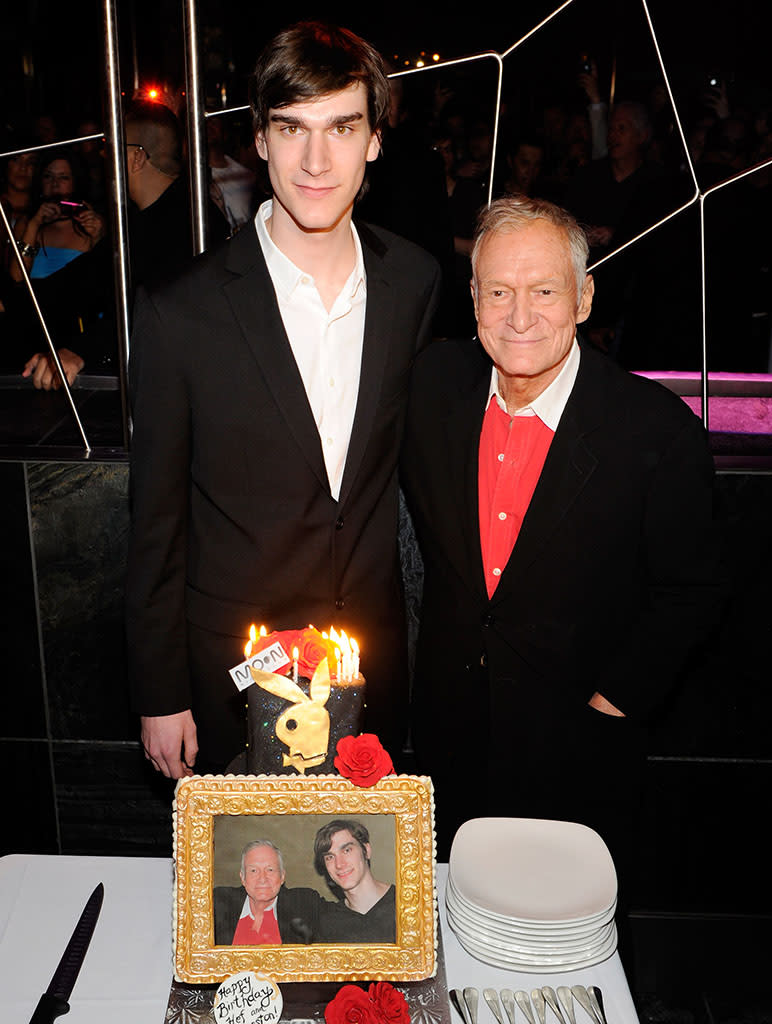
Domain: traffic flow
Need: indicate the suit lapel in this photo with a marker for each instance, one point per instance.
(253, 301)
(462, 433)
(375, 347)
(569, 465)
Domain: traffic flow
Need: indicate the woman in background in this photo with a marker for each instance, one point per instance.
(62, 228)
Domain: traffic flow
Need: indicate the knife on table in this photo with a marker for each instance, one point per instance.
(53, 1003)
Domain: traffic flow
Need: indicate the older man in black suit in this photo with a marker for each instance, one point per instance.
(269, 391)
(564, 510)
(262, 910)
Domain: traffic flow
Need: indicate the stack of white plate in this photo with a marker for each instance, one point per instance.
(531, 895)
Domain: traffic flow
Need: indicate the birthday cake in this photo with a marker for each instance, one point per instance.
(325, 812)
(307, 693)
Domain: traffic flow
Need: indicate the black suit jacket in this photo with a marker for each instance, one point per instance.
(612, 582)
(232, 517)
(297, 914)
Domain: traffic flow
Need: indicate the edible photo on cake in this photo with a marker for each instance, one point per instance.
(304, 879)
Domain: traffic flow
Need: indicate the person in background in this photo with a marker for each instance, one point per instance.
(18, 175)
(160, 217)
(233, 186)
(63, 228)
(524, 162)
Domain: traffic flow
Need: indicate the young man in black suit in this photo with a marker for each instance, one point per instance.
(269, 388)
(564, 510)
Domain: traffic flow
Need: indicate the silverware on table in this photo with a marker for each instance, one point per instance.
(537, 998)
(54, 1001)
(522, 1000)
(471, 998)
(491, 998)
(580, 994)
(596, 998)
(457, 999)
(554, 1005)
(508, 1002)
(567, 1002)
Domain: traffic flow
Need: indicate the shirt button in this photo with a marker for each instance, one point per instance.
(332, 382)
(339, 523)
(502, 516)
(497, 572)
(329, 441)
(340, 603)
(501, 456)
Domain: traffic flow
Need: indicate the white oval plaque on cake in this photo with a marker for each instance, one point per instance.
(248, 998)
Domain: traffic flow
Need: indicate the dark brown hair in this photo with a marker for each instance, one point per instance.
(311, 59)
(323, 842)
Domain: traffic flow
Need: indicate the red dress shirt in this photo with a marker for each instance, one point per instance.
(268, 934)
(511, 458)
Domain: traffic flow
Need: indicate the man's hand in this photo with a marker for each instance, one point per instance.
(600, 703)
(43, 370)
(170, 743)
(588, 81)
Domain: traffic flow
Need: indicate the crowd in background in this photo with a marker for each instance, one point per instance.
(618, 168)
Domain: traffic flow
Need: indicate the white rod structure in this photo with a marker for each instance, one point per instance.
(116, 170)
(196, 141)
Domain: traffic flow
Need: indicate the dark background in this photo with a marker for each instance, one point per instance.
(50, 53)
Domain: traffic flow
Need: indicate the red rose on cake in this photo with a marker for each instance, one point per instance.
(391, 1004)
(351, 1005)
(381, 1004)
(312, 648)
(362, 759)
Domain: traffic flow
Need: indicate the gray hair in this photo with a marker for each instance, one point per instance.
(262, 842)
(512, 213)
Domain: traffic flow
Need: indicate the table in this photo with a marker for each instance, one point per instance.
(126, 976)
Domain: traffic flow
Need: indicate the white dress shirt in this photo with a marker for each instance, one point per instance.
(246, 910)
(327, 346)
(549, 405)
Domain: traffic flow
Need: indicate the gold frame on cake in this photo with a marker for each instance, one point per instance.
(200, 799)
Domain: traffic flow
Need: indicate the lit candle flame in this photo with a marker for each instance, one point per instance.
(249, 645)
(346, 654)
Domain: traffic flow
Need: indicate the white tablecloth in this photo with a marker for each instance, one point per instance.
(126, 976)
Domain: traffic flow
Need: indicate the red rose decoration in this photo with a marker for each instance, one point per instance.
(362, 759)
(312, 647)
(351, 1005)
(381, 1004)
(390, 1003)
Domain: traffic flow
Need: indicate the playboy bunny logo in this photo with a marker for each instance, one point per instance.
(304, 727)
